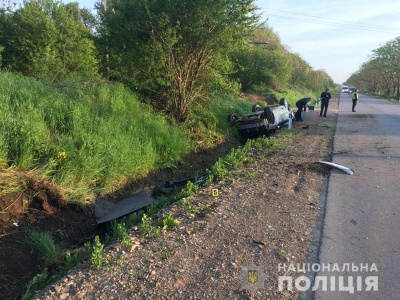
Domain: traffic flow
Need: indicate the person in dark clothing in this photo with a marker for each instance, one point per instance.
(325, 96)
(301, 104)
(354, 98)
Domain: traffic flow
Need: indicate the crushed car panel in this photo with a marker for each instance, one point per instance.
(332, 165)
(107, 211)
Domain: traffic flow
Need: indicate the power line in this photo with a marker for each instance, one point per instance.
(336, 23)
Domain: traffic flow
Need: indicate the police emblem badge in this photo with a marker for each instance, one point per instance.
(252, 277)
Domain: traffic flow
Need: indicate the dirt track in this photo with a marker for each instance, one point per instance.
(264, 214)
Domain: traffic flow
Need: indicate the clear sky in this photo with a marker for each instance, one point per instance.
(336, 36)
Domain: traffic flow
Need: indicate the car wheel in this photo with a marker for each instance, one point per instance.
(232, 118)
(255, 107)
(283, 102)
(269, 115)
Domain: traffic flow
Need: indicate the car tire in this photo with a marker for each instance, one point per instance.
(255, 107)
(283, 102)
(269, 115)
(232, 118)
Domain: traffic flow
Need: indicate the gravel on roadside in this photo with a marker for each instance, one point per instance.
(261, 217)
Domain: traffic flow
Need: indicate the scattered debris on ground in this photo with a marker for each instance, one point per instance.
(262, 214)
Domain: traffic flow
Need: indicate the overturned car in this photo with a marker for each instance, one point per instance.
(262, 120)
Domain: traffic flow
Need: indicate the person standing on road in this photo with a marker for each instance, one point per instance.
(354, 98)
(301, 104)
(325, 96)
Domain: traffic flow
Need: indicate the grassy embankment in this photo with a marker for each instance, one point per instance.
(92, 138)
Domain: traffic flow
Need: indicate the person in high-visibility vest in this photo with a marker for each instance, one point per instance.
(354, 98)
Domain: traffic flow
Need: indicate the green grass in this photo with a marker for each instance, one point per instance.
(38, 282)
(86, 138)
(95, 250)
(168, 222)
(147, 229)
(208, 121)
(361, 116)
(293, 95)
(44, 246)
(280, 253)
(94, 137)
(164, 252)
(120, 232)
(324, 125)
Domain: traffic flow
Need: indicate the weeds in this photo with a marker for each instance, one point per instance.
(261, 145)
(152, 210)
(163, 201)
(44, 278)
(133, 219)
(37, 283)
(361, 116)
(240, 156)
(72, 260)
(188, 190)
(11, 181)
(146, 228)
(187, 205)
(96, 252)
(121, 260)
(324, 125)
(120, 232)
(44, 246)
(209, 180)
(163, 252)
(280, 253)
(168, 222)
(250, 175)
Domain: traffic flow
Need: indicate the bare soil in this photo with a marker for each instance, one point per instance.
(264, 214)
(28, 202)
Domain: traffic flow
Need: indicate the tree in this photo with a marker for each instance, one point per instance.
(263, 61)
(380, 74)
(48, 40)
(389, 55)
(165, 49)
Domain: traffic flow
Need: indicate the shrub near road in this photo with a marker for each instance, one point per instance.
(83, 137)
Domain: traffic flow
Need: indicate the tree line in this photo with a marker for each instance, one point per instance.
(381, 73)
(170, 53)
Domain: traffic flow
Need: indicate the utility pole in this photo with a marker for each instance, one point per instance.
(107, 54)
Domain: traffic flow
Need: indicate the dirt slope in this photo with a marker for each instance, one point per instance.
(263, 215)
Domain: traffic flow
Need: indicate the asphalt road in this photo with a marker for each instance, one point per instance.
(361, 228)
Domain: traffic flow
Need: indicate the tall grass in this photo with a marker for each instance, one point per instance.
(44, 246)
(85, 137)
(292, 96)
(209, 120)
(91, 137)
